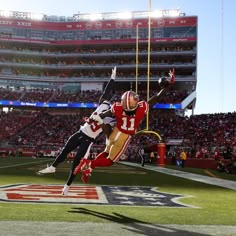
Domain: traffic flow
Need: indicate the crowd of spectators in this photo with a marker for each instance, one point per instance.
(229, 167)
(50, 95)
(88, 49)
(80, 96)
(8, 94)
(14, 121)
(50, 61)
(199, 137)
(36, 95)
(69, 73)
(203, 136)
(83, 61)
(47, 129)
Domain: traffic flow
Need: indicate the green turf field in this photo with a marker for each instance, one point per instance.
(212, 205)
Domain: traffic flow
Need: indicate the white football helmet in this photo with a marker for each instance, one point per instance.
(129, 101)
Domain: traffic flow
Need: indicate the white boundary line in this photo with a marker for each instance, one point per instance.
(199, 178)
(23, 164)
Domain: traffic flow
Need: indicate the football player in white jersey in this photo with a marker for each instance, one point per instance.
(83, 139)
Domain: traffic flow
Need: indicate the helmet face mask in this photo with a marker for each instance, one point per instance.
(129, 101)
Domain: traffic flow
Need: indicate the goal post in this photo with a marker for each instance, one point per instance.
(160, 147)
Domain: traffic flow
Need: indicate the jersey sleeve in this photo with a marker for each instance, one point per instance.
(116, 108)
(144, 105)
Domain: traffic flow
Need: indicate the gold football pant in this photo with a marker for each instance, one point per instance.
(117, 144)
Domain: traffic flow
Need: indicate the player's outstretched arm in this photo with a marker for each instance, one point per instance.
(106, 95)
(164, 86)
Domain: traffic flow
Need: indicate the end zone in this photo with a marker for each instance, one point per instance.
(85, 194)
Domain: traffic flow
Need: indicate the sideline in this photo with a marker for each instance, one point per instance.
(200, 178)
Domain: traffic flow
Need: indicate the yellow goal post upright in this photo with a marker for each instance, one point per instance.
(161, 147)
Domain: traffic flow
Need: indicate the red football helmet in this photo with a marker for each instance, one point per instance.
(129, 101)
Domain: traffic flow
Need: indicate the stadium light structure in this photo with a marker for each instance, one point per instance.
(96, 16)
(36, 16)
(174, 13)
(93, 16)
(22, 15)
(124, 15)
(6, 13)
(156, 14)
(130, 15)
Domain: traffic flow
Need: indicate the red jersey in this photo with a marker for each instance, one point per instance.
(129, 124)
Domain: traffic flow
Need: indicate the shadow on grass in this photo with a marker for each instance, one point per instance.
(134, 225)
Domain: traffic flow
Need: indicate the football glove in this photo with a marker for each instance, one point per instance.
(172, 76)
(113, 73)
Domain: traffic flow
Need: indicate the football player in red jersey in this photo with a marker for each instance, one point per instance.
(129, 113)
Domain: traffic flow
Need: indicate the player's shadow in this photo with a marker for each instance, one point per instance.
(136, 226)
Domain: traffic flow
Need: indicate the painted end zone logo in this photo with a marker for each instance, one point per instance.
(101, 195)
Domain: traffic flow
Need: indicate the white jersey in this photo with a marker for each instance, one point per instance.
(91, 127)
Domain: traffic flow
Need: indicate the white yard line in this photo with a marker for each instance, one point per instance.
(200, 178)
(23, 164)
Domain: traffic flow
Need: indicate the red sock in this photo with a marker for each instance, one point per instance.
(101, 162)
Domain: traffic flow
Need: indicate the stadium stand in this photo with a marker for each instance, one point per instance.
(70, 62)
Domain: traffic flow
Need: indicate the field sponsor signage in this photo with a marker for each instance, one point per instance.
(85, 194)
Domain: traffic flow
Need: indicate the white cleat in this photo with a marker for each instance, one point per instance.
(65, 190)
(48, 170)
